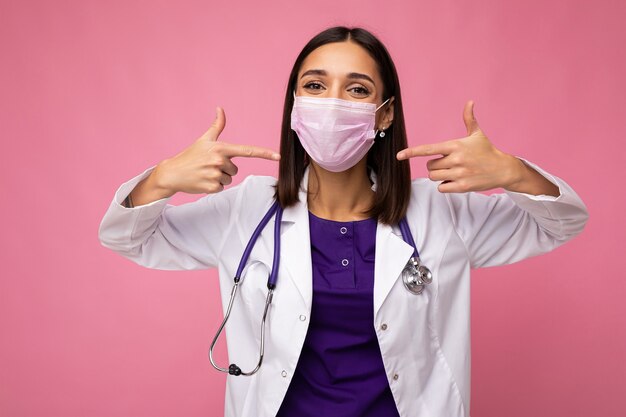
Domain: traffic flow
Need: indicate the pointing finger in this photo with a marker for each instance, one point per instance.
(249, 151)
(442, 148)
(471, 124)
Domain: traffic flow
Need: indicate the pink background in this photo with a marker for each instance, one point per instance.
(95, 92)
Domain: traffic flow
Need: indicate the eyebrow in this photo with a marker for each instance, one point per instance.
(352, 75)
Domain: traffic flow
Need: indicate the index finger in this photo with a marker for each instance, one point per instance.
(442, 148)
(249, 151)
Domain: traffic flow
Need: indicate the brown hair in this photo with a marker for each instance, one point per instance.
(393, 177)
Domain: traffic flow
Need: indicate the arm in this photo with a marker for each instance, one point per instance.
(505, 228)
(146, 191)
(529, 181)
(157, 235)
(537, 212)
(162, 236)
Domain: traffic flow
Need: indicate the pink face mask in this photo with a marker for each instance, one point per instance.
(335, 133)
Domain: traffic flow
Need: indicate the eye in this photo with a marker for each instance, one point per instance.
(360, 90)
(313, 85)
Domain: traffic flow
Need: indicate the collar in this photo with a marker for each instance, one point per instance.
(297, 212)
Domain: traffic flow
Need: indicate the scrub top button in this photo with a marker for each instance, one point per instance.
(343, 230)
(345, 262)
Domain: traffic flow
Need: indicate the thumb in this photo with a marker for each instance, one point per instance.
(217, 126)
(471, 124)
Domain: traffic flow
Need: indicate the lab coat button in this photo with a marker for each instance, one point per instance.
(284, 373)
(395, 377)
(343, 230)
(302, 317)
(344, 262)
(384, 326)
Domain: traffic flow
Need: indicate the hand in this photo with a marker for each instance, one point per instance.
(471, 163)
(206, 166)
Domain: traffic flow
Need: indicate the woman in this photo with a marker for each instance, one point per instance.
(344, 336)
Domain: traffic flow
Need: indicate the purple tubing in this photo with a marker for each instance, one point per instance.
(275, 208)
(407, 236)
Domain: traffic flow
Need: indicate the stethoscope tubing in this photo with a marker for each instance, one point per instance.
(274, 209)
(407, 236)
(416, 286)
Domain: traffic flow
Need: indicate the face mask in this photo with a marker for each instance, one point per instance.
(335, 133)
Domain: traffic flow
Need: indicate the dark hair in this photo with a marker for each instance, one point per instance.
(393, 177)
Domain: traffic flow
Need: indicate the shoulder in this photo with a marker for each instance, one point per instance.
(255, 195)
(427, 202)
(257, 187)
(425, 190)
(422, 182)
(426, 199)
(260, 179)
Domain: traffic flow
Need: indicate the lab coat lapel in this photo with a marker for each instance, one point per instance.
(296, 244)
(392, 254)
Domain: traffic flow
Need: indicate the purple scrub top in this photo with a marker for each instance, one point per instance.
(340, 371)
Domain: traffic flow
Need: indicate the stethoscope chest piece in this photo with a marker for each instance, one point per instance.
(415, 276)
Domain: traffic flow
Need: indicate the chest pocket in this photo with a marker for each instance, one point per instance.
(253, 294)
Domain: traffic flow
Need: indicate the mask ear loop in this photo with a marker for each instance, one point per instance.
(384, 102)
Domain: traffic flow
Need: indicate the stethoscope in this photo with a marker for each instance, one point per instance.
(414, 276)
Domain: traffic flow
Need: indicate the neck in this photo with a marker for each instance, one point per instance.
(340, 196)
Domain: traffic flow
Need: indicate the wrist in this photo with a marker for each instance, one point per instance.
(516, 173)
(156, 181)
(149, 190)
(526, 180)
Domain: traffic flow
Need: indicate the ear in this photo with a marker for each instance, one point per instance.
(388, 112)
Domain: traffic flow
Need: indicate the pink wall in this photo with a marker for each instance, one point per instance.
(95, 92)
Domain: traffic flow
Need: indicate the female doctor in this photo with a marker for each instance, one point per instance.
(351, 329)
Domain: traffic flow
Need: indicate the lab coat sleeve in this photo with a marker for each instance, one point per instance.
(503, 228)
(159, 235)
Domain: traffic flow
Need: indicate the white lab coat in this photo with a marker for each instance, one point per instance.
(425, 344)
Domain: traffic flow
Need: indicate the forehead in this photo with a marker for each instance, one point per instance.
(341, 58)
